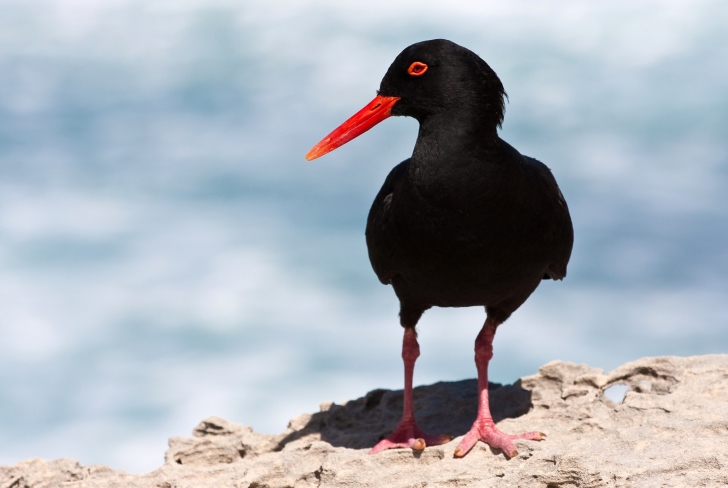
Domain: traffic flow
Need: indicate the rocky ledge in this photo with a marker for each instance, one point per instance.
(670, 429)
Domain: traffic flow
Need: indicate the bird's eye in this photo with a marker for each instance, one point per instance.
(417, 69)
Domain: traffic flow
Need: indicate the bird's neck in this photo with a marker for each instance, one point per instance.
(452, 139)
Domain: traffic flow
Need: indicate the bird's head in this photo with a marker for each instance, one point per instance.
(439, 76)
(427, 79)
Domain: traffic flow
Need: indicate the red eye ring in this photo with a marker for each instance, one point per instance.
(417, 69)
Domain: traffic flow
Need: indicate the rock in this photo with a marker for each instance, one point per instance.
(670, 429)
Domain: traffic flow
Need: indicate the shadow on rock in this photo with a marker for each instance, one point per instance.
(442, 408)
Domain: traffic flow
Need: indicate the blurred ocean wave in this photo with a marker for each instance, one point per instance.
(166, 252)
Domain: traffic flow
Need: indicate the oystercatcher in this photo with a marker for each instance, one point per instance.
(466, 221)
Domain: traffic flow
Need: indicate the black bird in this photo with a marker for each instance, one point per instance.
(466, 221)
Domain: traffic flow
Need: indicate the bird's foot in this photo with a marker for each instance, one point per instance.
(486, 431)
(408, 434)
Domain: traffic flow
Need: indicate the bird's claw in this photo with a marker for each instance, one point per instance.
(409, 435)
(489, 434)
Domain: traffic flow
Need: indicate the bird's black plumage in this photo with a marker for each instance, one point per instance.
(467, 220)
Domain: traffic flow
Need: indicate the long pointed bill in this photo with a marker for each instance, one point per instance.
(377, 110)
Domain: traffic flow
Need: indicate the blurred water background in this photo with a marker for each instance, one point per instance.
(166, 253)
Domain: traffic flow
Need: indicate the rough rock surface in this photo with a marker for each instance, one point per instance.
(671, 429)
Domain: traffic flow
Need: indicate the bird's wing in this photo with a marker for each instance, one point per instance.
(379, 232)
(563, 234)
(560, 229)
(557, 270)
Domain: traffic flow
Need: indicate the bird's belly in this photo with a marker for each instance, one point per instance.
(460, 273)
(432, 289)
(459, 252)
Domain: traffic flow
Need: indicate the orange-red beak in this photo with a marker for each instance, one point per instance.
(377, 110)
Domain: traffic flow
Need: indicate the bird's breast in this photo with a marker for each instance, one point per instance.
(458, 239)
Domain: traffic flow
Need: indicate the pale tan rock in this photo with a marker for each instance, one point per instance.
(670, 430)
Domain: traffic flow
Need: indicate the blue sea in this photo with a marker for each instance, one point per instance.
(166, 253)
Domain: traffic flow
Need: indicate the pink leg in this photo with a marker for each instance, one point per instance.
(484, 428)
(407, 433)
